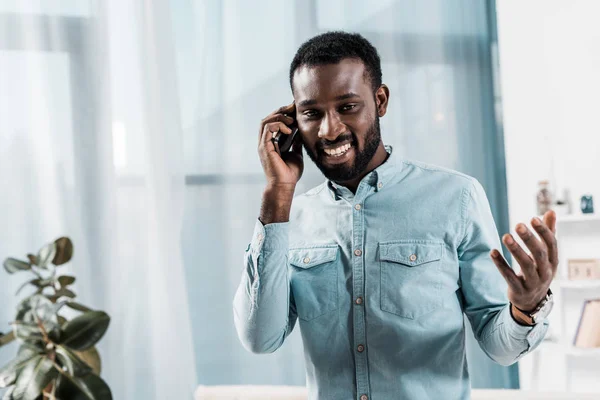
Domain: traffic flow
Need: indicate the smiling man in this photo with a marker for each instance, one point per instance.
(382, 261)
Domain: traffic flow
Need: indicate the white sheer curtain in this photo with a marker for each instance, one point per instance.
(91, 147)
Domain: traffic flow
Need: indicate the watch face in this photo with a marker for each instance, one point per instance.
(544, 311)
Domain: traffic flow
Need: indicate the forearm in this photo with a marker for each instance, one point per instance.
(262, 312)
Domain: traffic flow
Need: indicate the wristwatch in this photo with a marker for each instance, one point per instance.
(540, 312)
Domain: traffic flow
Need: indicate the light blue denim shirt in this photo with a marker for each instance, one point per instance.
(379, 281)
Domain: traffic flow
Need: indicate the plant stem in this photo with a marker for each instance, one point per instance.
(6, 339)
(41, 326)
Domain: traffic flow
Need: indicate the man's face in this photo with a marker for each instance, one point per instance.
(337, 117)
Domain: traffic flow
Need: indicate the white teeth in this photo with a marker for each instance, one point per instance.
(338, 151)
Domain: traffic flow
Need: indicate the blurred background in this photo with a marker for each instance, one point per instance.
(130, 126)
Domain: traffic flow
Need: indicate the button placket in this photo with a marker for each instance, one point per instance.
(358, 279)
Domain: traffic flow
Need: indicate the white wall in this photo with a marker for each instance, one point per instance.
(550, 65)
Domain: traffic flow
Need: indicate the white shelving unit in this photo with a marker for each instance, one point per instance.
(578, 236)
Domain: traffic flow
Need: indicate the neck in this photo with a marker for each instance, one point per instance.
(379, 158)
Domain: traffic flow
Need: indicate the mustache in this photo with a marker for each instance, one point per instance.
(343, 138)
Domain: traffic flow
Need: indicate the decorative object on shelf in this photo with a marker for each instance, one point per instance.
(584, 269)
(588, 330)
(562, 206)
(57, 358)
(587, 204)
(543, 198)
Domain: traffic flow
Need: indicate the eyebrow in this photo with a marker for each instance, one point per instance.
(311, 102)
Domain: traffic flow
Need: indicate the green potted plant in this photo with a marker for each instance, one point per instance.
(57, 358)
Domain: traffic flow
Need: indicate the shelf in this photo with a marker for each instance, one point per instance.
(582, 352)
(568, 284)
(570, 350)
(574, 218)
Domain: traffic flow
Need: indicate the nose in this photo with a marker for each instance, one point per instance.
(331, 127)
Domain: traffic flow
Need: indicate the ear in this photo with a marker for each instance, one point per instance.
(382, 97)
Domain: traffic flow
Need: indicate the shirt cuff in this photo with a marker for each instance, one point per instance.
(533, 334)
(270, 237)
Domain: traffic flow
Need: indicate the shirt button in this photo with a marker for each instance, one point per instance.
(357, 207)
(306, 260)
(357, 252)
(380, 185)
(359, 300)
(360, 348)
(413, 257)
(259, 237)
(364, 397)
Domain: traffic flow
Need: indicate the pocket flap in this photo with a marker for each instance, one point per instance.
(312, 256)
(410, 253)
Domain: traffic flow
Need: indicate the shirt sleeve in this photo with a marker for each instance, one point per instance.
(484, 290)
(264, 313)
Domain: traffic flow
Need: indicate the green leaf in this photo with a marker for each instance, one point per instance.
(61, 320)
(66, 280)
(46, 255)
(92, 358)
(26, 327)
(39, 283)
(44, 309)
(65, 293)
(8, 393)
(78, 306)
(85, 331)
(36, 375)
(64, 251)
(32, 259)
(12, 265)
(10, 372)
(68, 359)
(89, 387)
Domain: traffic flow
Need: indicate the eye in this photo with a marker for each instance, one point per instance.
(348, 107)
(310, 113)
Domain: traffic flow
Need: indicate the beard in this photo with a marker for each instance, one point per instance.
(343, 173)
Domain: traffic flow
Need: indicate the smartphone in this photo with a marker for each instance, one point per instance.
(285, 141)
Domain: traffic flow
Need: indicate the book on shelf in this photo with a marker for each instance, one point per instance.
(584, 269)
(588, 329)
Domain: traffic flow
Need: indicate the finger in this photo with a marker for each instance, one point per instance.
(538, 250)
(287, 120)
(549, 239)
(285, 109)
(507, 272)
(275, 127)
(267, 134)
(525, 262)
(550, 220)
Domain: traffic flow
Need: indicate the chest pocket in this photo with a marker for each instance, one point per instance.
(410, 277)
(314, 280)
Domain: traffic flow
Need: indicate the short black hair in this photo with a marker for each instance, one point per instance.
(333, 47)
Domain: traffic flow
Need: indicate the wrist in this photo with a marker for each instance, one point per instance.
(519, 318)
(276, 204)
(539, 312)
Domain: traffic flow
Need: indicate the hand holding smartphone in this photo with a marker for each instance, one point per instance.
(280, 147)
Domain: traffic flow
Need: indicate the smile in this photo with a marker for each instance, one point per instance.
(338, 151)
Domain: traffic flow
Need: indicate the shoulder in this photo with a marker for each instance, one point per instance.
(437, 175)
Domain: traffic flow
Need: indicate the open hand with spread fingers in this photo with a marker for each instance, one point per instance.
(528, 288)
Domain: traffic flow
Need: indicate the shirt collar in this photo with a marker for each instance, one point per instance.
(378, 178)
